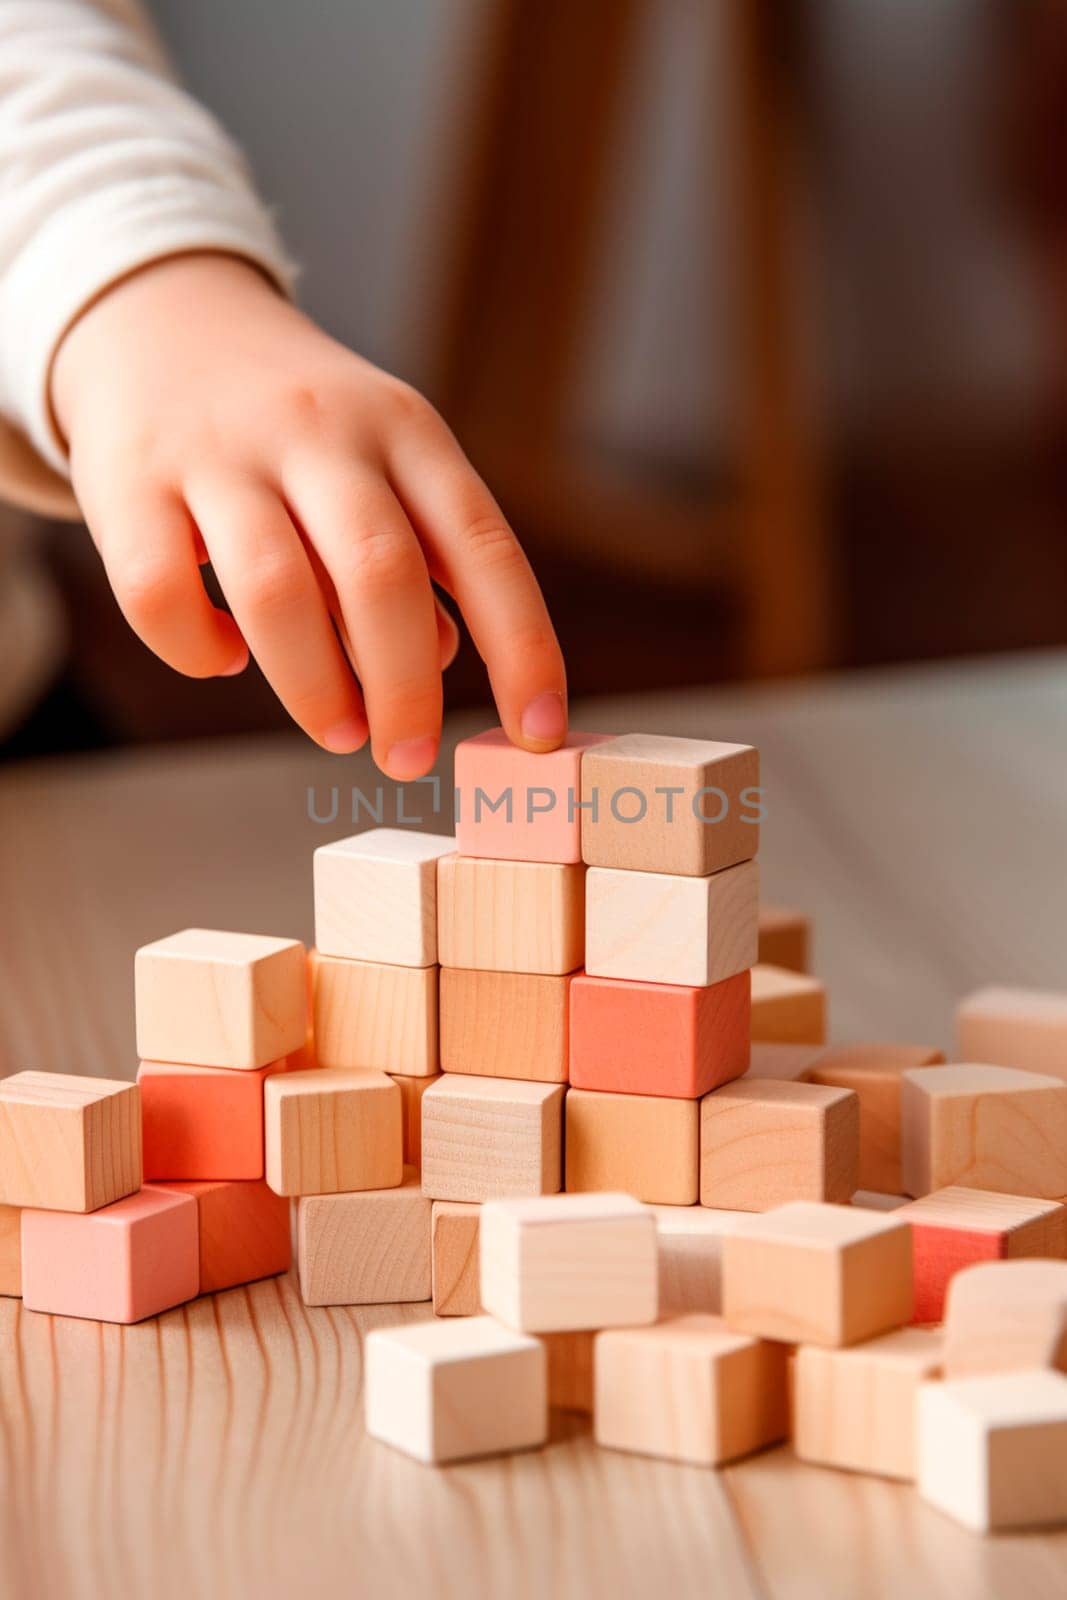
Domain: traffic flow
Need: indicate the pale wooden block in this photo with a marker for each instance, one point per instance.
(1013, 1027)
(450, 1390)
(505, 1024)
(817, 1274)
(411, 1093)
(992, 1452)
(364, 1249)
(376, 896)
(643, 1145)
(564, 1262)
(456, 1264)
(688, 1389)
(689, 1246)
(11, 1251)
(787, 1007)
(488, 1138)
(784, 938)
(874, 1072)
(855, 1408)
(660, 928)
(510, 916)
(1006, 1316)
(330, 1132)
(984, 1127)
(68, 1143)
(570, 1369)
(786, 1063)
(764, 1143)
(369, 1015)
(211, 999)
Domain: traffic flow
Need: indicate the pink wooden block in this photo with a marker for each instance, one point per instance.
(544, 791)
(202, 1122)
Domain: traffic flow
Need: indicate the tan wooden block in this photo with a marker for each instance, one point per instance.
(369, 1015)
(1006, 1316)
(510, 916)
(817, 1274)
(643, 1145)
(505, 1024)
(954, 1228)
(570, 1369)
(331, 1132)
(855, 1408)
(764, 1143)
(453, 1389)
(11, 1251)
(68, 1143)
(456, 1259)
(787, 1007)
(1012, 1027)
(688, 1389)
(376, 896)
(786, 1063)
(689, 1246)
(365, 1249)
(984, 1127)
(411, 1093)
(488, 1138)
(784, 938)
(659, 928)
(874, 1072)
(211, 999)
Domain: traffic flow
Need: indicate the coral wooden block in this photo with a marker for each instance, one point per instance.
(505, 1024)
(874, 1072)
(817, 1274)
(660, 804)
(510, 916)
(689, 1246)
(376, 1017)
(786, 1063)
(370, 1248)
(202, 1122)
(1006, 1316)
(688, 1389)
(125, 1262)
(784, 938)
(570, 1369)
(763, 1144)
(658, 1038)
(655, 928)
(520, 807)
(244, 1231)
(456, 1259)
(68, 1143)
(10, 1251)
(985, 1128)
(376, 896)
(1025, 1028)
(643, 1145)
(489, 1138)
(411, 1093)
(787, 1007)
(454, 1389)
(955, 1227)
(855, 1408)
(235, 1000)
(329, 1132)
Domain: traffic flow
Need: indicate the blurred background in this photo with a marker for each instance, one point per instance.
(752, 312)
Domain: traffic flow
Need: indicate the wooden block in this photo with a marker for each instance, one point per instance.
(234, 1000)
(450, 1390)
(570, 1369)
(330, 1132)
(456, 1260)
(992, 1452)
(654, 928)
(658, 1038)
(786, 1063)
(817, 1274)
(855, 1408)
(376, 1017)
(1025, 1028)
(873, 1072)
(68, 1143)
(11, 1251)
(125, 1262)
(202, 1122)
(659, 804)
(1006, 1316)
(643, 1145)
(870, 1201)
(955, 1227)
(689, 1247)
(411, 1093)
(505, 1024)
(516, 806)
(488, 1138)
(510, 916)
(244, 1231)
(568, 1261)
(688, 1389)
(787, 1007)
(365, 1249)
(764, 1143)
(984, 1128)
(376, 896)
(784, 938)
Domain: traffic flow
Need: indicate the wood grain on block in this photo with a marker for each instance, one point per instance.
(817, 1274)
(689, 1247)
(10, 1251)
(764, 1143)
(510, 916)
(376, 896)
(364, 1249)
(643, 1145)
(654, 803)
(68, 1143)
(455, 1389)
(370, 1015)
(784, 938)
(855, 1408)
(658, 1038)
(244, 1231)
(873, 1072)
(953, 1228)
(517, 806)
(992, 1452)
(569, 1261)
(411, 1093)
(456, 1264)
(787, 1007)
(202, 1122)
(489, 1138)
(1006, 1316)
(1024, 1028)
(688, 1389)
(505, 1024)
(329, 1132)
(570, 1369)
(787, 1063)
(984, 1127)
(125, 1262)
(234, 1000)
(656, 928)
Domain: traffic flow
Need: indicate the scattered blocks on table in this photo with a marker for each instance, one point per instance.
(787, 1007)
(873, 1072)
(11, 1251)
(376, 896)
(657, 928)
(986, 1128)
(855, 1407)
(570, 1369)
(658, 1038)
(411, 1093)
(372, 1016)
(784, 938)
(643, 1145)
(1025, 1028)
(505, 1024)
(234, 1000)
(202, 1122)
(457, 1279)
(329, 1132)
(763, 1144)
(244, 1231)
(490, 1138)
(689, 1247)
(786, 1063)
(510, 916)
(68, 1143)
(520, 807)
(454, 1389)
(1006, 1316)
(953, 1228)
(369, 1248)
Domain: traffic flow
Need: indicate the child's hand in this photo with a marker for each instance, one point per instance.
(207, 419)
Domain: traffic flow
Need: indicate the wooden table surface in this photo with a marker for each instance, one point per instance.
(218, 1450)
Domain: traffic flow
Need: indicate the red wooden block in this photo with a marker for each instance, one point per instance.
(202, 1122)
(955, 1228)
(658, 1038)
(244, 1231)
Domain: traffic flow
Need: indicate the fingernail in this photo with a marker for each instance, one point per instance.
(545, 718)
(344, 737)
(235, 668)
(410, 758)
